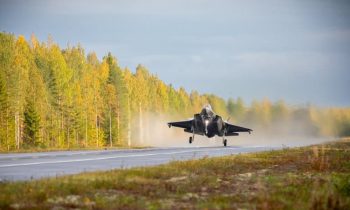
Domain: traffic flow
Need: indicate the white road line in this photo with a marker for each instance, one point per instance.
(111, 157)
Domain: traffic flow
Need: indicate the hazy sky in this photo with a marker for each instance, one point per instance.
(294, 50)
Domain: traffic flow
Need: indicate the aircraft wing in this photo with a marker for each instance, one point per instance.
(182, 124)
(234, 128)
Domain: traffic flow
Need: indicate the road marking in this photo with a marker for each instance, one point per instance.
(112, 157)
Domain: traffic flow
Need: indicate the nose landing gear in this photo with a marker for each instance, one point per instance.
(225, 142)
(190, 140)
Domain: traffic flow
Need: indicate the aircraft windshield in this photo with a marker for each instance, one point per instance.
(207, 107)
(207, 111)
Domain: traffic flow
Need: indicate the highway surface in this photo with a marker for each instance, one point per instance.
(26, 166)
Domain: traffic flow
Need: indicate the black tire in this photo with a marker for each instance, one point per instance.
(225, 142)
(190, 140)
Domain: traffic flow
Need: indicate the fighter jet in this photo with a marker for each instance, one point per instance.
(209, 124)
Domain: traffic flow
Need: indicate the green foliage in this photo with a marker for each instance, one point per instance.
(31, 125)
(236, 109)
(62, 98)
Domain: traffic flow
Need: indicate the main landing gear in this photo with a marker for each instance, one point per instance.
(191, 139)
(225, 142)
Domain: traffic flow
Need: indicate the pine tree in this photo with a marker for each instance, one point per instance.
(117, 110)
(236, 110)
(31, 125)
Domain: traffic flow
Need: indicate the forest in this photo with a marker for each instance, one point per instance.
(64, 98)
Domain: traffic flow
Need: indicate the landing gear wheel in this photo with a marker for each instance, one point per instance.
(225, 142)
(190, 140)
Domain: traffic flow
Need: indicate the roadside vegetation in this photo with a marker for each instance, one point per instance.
(313, 177)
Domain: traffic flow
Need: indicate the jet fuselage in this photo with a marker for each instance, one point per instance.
(207, 123)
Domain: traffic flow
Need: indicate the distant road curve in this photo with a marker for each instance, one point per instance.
(26, 166)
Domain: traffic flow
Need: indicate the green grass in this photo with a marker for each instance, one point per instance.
(315, 177)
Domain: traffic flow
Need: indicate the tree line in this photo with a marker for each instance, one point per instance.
(63, 98)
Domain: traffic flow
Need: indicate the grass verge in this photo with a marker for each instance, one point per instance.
(314, 177)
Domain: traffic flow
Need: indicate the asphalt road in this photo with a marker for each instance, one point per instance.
(26, 166)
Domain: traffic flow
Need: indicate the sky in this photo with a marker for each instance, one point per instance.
(295, 50)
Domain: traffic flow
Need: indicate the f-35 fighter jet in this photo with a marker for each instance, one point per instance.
(209, 124)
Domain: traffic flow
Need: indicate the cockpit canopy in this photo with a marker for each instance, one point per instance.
(207, 111)
(207, 107)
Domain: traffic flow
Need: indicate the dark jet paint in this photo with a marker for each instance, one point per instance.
(209, 124)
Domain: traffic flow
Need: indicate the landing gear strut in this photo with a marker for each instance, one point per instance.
(224, 141)
(191, 139)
